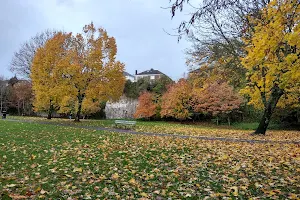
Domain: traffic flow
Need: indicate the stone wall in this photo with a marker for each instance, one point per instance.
(124, 108)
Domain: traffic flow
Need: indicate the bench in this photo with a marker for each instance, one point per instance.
(124, 123)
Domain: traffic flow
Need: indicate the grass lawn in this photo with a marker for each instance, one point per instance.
(48, 161)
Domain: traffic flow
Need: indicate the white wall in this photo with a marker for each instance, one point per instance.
(132, 79)
(124, 108)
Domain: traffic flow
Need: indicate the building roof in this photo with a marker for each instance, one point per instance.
(151, 71)
(127, 74)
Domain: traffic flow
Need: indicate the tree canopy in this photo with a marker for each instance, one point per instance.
(176, 102)
(273, 58)
(46, 75)
(253, 45)
(84, 73)
(146, 106)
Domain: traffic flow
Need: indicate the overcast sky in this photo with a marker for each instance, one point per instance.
(137, 25)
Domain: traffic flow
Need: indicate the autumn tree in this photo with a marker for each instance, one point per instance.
(146, 106)
(91, 72)
(273, 58)
(21, 97)
(206, 73)
(214, 62)
(176, 102)
(46, 74)
(22, 59)
(215, 29)
(79, 70)
(216, 99)
(89, 107)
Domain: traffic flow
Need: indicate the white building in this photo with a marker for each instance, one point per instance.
(129, 76)
(152, 74)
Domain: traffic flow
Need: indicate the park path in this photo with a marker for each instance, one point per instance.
(158, 134)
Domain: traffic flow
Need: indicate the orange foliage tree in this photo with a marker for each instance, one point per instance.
(176, 102)
(22, 97)
(216, 99)
(146, 106)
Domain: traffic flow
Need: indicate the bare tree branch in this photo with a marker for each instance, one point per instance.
(22, 59)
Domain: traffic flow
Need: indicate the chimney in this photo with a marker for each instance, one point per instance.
(135, 72)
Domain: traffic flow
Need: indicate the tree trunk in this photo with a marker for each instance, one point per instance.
(228, 119)
(19, 112)
(80, 98)
(49, 114)
(50, 111)
(269, 109)
(23, 108)
(1, 104)
(77, 118)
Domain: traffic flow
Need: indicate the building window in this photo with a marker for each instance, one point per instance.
(152, 77)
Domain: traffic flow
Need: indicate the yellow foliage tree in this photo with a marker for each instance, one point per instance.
(273, 59)
(87, 73)
(44, 74)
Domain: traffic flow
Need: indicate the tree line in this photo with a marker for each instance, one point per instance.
(183, 101)
(71, 74)
(16, 96)
(253, 45)
(244, 52)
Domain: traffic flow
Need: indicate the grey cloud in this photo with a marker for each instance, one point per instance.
(137, 26)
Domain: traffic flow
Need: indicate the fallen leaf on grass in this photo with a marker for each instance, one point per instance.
(77, 169)
(17, 196)
(115, 176)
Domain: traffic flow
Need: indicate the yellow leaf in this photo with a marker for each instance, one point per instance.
(105, 190)
(115, 176)
(32, 157)
(77, 169)
(11, 185)
(143, 194)
(43, 192)
(156, 192)
(37, 190)
(235, 191)
(224, 157)
(67, 175)
(293, 196)
(151, 176)
(132, 181)
(257, 185)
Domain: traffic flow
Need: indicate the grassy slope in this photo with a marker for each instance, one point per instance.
(49, 161)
